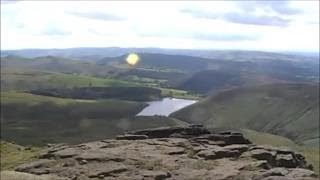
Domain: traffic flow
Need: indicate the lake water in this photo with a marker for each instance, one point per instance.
(165, 106)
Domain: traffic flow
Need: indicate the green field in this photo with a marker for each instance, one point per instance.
(167, 92)
(17, 80)
(12, 97)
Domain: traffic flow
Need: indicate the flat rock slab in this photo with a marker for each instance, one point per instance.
(107, 170)
(172, 153)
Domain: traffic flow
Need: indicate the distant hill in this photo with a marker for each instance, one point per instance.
(200, 75)
(52, 63)
(290, 110)
(162, 61)
(93, 54)
(236, 74)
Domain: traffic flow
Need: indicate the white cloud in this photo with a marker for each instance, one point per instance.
(63, 24)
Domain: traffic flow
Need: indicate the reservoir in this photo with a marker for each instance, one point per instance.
(165, 107)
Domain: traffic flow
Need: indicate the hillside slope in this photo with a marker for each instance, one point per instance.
(290, 110)
(29, 119)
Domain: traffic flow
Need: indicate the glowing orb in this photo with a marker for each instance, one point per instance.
(132, 59)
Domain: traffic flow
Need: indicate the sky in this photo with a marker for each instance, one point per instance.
(243, 25)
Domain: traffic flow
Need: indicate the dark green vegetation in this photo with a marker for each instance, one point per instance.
(16, 79)
(243, 74)
(173, 63)
(33, 119)
(290, 110)
(125, 93)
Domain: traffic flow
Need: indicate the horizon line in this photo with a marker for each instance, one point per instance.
(201, 49)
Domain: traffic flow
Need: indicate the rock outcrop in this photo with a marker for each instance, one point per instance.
(170, 153)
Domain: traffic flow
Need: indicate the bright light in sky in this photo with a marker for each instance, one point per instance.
(132, 59)
(250, 25)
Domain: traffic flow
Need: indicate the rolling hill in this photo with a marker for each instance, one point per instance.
(161, 61)
(290, 110)
(177, 71)
(94, 54)
(29, 119)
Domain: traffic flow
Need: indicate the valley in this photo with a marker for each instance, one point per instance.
(50, 99)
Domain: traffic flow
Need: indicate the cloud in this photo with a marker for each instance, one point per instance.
(241, 18)
(214, 36)
(245, 18)
(9, 1)
(222, 24)
(199, 35)
(96, 16)
(224, 37)
(313, 22)
(55, 32)
(280, 7)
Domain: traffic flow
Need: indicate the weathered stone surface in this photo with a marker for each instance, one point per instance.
(228, 139)
(298, 172)
(167, 132)
(66, 153)
(36, 164)
(98, 155)
(131, 137)
(282, 157)
(276, 178)
(107, 170)
(263, 164)
(207, 154)
(276, 172)
(283, 173)
(170, 153)
(14, 175)
(216, 152)
(239, 147)
(286, 160)
(157, 175)
(263, 154)
(176, 151)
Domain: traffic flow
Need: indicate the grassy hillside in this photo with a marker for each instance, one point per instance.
(13, 155)
(290, 110)
(53, 64)
(37, 120)
(124, 93)
(26, 80)
(248, 74)
(169, 63)
(211, 80)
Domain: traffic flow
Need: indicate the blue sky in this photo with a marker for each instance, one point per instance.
(248, 25)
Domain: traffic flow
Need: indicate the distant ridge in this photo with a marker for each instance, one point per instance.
(85, 53)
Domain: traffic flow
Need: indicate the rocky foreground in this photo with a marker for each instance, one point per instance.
(170, 153)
